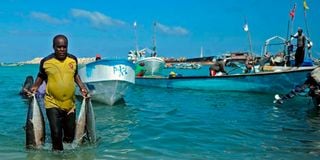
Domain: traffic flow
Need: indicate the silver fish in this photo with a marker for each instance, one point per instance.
(35, 126)
(90, 123)
(86, 127)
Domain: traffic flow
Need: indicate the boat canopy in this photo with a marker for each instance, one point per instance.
(268, 43)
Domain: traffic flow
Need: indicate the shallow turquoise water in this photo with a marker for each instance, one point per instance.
(158, 123)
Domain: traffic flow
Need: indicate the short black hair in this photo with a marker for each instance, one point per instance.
(57, 37)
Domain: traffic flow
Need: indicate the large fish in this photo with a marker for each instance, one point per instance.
(35, 126)
(86, 125)
(26, 87)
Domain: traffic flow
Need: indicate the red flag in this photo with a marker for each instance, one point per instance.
(292, 12)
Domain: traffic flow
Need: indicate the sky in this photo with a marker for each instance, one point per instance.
(183, 27)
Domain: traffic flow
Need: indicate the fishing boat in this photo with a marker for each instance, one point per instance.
(279, 81)
(152, 64)
(108, 80)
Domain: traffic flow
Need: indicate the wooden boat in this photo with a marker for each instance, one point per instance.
(279, 81)
(108, 80)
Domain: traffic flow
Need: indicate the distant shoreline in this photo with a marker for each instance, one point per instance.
(37, 60)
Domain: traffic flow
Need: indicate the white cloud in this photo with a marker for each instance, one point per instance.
(175, 30)
(47, 18)
(97, 19)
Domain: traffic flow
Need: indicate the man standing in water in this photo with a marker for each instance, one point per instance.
(60, 71)
(300, 51)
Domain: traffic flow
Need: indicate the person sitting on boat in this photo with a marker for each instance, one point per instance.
(266, 59)
(217, 67)
(278, 59)
(140, 70)
(250, 62)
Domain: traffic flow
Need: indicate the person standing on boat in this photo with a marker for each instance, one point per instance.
(278, 60)
(217, 67)
(300, 51)
(266, 59)
(60, 71)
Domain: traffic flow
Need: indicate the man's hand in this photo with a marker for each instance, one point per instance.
(84, 92)
(33, 90)
(28, 93)
(309, 45)
(71, 111)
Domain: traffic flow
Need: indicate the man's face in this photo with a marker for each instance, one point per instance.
(60, 48)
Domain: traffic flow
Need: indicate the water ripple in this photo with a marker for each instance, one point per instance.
(158, 123)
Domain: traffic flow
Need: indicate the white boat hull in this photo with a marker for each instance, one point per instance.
(153, 65)
(108, 80)
(108, 92)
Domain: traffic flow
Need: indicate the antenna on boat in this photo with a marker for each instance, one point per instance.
(154, 38)
(288, 46)
(305, 8)
(291, 20)
(136, 35)
(201, 52)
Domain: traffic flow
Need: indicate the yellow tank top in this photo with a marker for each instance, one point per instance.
(60, 90)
